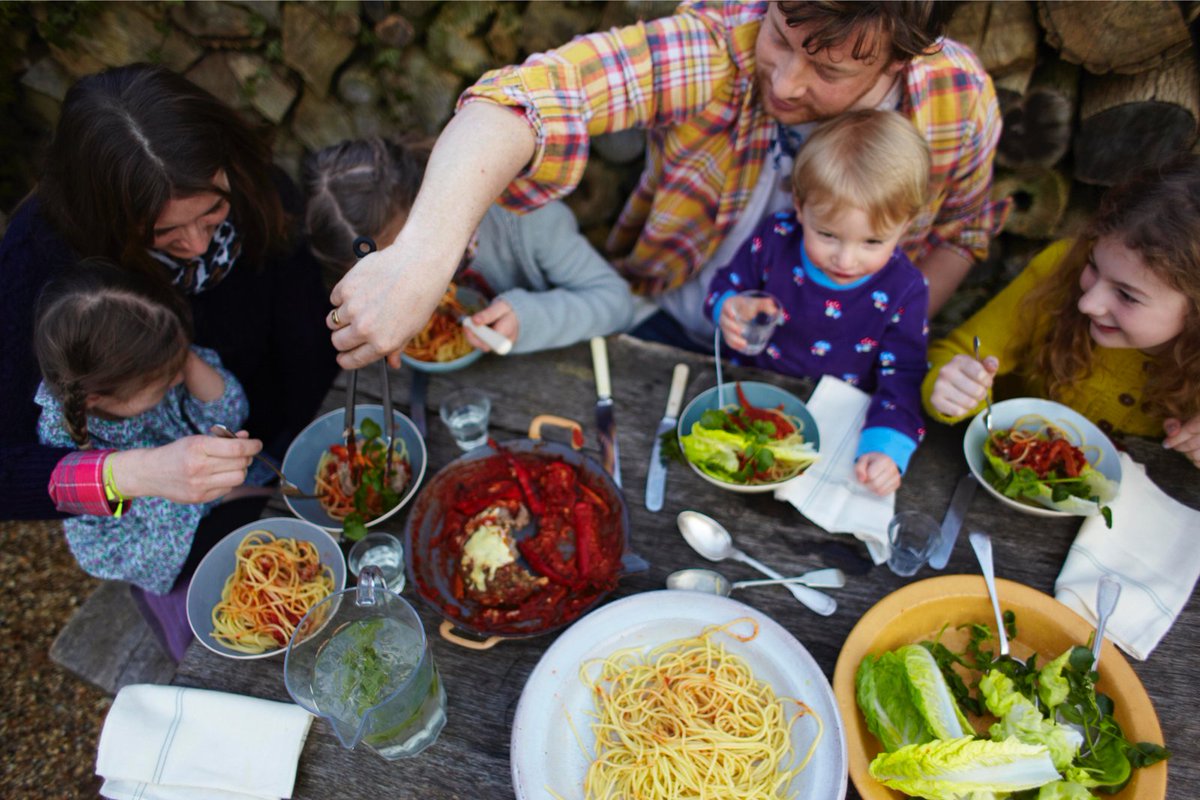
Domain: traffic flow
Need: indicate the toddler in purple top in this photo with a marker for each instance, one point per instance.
(853, 305)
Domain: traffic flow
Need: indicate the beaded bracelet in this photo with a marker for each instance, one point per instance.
(111, 491)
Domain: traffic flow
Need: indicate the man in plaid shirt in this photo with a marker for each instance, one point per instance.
(726, 93)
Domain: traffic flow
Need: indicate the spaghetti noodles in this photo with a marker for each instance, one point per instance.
(342, 486)
(274, 584)
(689, 720)
(442, 338)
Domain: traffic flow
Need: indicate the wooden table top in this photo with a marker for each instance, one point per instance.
(471, 757)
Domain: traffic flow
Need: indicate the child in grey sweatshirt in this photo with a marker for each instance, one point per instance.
(551, 287)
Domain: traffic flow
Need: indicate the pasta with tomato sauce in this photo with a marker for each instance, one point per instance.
(273, 585)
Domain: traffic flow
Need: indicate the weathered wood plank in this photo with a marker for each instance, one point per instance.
(107, 643)
(471, 757)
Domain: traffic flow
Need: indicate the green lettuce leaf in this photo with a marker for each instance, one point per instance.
(957, 769)
(714, 451)
(1020, 719)
(882, 689)
(931, 694)
(1064, 790)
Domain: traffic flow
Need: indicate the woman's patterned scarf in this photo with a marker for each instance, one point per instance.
(204, 272)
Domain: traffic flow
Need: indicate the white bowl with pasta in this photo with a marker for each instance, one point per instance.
(225, 622)
(1029, 413)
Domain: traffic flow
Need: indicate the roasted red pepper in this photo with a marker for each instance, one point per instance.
(471, 506)
(542, 566)
(583, 519)
(774, 416)
(532, 499)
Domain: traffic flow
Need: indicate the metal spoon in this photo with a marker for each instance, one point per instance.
(981, 543)
(1107, 594)
(987, 397)
(713, 582)
(285, 486)
(710, 539)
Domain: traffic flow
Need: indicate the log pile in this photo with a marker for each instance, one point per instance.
(1090, 94)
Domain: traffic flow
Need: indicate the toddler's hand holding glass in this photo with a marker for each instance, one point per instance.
(748, 320)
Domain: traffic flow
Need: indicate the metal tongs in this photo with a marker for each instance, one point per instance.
(362, 246)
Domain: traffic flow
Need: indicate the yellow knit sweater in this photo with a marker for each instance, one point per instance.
(1111, 396)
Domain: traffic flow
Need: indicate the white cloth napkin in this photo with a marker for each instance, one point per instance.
(1153, 548)
(172, 743)
(828, 493)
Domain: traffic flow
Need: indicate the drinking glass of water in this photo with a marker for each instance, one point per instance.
(465, 413)
(758, 314)
(913, 536)
(382, 550)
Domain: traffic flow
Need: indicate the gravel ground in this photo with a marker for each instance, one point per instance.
(49, 719)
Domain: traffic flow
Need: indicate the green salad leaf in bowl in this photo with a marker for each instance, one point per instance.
(747, 444)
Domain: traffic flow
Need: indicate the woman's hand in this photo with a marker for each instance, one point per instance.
(962, 384)
(1184, 437)
(878, 473)
(500, 317)
(195, 469)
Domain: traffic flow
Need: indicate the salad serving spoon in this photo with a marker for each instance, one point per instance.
(981, 543)
(710, 539)
(1108, 592)
(713, 582)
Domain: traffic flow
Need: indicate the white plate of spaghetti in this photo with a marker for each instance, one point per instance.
(787, 732)
(256, 584)
(1023, 432)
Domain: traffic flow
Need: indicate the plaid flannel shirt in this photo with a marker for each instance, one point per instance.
(689, 80)
(77, 484)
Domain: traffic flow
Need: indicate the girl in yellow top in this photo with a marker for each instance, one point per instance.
(1108, 324)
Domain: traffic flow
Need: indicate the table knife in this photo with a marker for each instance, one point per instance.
(606, 423)
(656, 475)
(952, 522)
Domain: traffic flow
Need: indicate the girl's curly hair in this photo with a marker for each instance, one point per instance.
(1156, 215)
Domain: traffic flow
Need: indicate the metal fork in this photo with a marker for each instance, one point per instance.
(987, 397)
(285, 486)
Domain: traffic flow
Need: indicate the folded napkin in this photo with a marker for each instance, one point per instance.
(828, 493)
(1152, 549)
(172, 743)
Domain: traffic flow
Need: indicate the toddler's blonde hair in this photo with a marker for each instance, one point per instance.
(871, 160)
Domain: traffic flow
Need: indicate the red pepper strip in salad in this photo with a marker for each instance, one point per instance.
(775, 417)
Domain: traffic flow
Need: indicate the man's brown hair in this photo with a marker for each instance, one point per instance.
(911, 27)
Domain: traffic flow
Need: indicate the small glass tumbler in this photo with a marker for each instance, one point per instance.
(913, 537)
(382, 550)
(758, 314)
(465, 413)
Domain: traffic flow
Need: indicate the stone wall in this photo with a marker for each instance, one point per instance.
(319, 72)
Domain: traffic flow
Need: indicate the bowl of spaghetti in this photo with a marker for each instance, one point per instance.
(1043, 458)
(442, 345)
(355, 491)
(752, 438)
(252, 589)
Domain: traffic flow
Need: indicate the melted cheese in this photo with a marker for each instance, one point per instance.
(488, 549)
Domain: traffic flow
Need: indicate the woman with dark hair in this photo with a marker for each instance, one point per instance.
(155, 174)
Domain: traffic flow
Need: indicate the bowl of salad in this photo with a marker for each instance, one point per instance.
(354, 491)
(1043, 458)
(758, 438)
